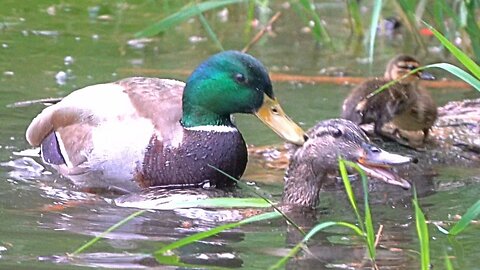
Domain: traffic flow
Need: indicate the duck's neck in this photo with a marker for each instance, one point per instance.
(198, 107)
(194, 116)
(302, 186)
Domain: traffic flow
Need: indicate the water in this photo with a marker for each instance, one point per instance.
(49, 50)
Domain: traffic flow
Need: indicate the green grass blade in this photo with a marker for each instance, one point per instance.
(461, 56)
(454, 70)
(472, 27)
(210, 31)
(160, 254)
(327, 224)
(310, 234)
(448, 262)
(183, 14)
(349, 190)
(369, 231)
(355, 17)
(406, 10)
(438, 15)
(224, 203)
(470, 215)
(319, 32)
(285, 258)
(423, 237)
(109, 230)
(377, 8)
(244, 186)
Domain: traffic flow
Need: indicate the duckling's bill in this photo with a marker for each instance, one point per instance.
(377, 163)
(274, 117)
(426, 75)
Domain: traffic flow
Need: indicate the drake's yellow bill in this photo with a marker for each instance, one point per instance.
(273, 116)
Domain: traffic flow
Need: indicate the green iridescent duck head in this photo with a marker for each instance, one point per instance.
(234, 82)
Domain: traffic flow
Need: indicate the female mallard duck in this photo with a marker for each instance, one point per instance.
(404, 103)
(143, 132)
(313, 163)
(311, 167)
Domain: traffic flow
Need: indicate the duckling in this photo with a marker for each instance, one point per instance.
(313, 164)
(407, 105)
(142, 132)
(420, 116)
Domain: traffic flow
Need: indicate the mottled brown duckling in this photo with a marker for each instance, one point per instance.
(420, 116)
(313, 164)
(407, 105)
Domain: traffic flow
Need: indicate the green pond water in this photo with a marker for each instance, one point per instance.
(87, 42)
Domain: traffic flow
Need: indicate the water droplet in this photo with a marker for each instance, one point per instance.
(68, 60)
(61, 78)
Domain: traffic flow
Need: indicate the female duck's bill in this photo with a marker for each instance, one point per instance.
(312, 165)
(377, 163)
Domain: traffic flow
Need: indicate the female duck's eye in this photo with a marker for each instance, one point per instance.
(239, 77)
(337, 133)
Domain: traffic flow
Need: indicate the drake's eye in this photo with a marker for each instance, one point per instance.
(239, 77)
(337, 133)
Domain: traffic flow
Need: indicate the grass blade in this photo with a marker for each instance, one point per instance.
(243, 185)
(210, 31)
(183, 14)
(471, 214)
(355, 17)
(224, 203)
(311, 233)
(461, 56)
(454, 70)
(319, 32)
(377, 8)
(406, 10)
(368, 229)
(109, 230)
(472, 25)
(448, 262)
(349, 191)
(160, 254)
(423, 237)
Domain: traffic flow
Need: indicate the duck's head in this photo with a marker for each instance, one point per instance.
(401, 65)
(234, 82)
(312, 163)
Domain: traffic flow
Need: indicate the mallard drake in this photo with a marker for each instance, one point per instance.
(313, 164)
(405, 103)
(142, 132)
